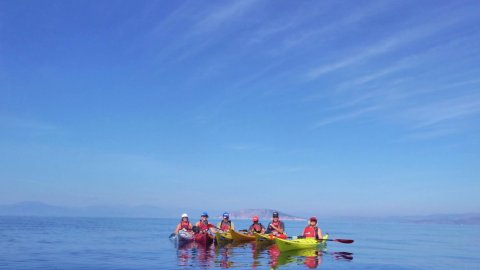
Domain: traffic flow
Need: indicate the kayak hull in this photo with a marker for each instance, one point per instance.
(203, 238)
(241, 237)
(184, 237)
(300, 243)
(268, 238)
(223, 237)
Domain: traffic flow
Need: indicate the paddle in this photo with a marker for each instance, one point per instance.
(344, 241)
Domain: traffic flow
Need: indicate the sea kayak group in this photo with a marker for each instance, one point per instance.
(204, 232)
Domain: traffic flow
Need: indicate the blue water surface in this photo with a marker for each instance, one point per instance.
(141, 243)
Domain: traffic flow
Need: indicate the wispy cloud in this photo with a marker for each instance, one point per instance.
(428, 134)
(394, 41)
(453, 109)
(238, 147)
(222, 15)
(345, 116)
(300, 36)
(196, 28)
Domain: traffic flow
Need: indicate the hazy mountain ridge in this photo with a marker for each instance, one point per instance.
(461, 219)
(148, 211)
(263, 214)
(42, 209)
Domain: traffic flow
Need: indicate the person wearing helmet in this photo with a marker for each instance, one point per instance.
(184, 224)
(203, 224)
(312, 230)
(226, 224)
(276, 226)
(256, 226)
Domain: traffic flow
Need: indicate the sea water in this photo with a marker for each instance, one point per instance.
(141, 243)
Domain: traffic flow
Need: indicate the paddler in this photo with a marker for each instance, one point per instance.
(202, 224)
(256, 226)
(184, 224)
(276, 226)
(225, 224)
(312, 230)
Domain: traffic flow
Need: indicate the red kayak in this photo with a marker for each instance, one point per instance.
(203, 238)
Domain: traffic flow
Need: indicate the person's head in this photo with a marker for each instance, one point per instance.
(184, 217)
(255, 219)
(313, 221)
(226, 216)
(204, 215)
(275, 216)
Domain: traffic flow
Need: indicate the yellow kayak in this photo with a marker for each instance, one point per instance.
(223, 236)
(300, 243)
(241, 237)
(264, 238)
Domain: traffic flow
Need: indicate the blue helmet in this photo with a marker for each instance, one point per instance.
(204, 214)
(226, 215)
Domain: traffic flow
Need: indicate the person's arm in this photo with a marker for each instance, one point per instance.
(263, 228)
(211, 228)
(232, 227)
(279, 229)
(177, 228)
(319, 233)
(269, 228)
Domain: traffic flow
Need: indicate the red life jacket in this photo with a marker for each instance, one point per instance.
(310, 232)
(225, 226)
(204, 226)
(257, 227)
(185, 225)
(276, 223)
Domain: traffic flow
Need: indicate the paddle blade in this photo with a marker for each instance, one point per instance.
(345, 241)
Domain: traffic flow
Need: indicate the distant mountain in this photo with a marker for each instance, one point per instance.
(263, 214)
(33, 209)
(463, 219)
(42, 209)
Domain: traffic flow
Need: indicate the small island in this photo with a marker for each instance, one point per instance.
(263, 214)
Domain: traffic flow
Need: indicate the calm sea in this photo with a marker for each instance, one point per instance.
(129, 243)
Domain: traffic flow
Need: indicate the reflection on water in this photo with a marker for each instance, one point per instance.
(193, 254)
(246, 255)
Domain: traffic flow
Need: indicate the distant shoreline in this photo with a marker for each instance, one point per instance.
(37, 209)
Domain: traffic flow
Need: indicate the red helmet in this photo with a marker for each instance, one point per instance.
(313, 219)
(255, 218)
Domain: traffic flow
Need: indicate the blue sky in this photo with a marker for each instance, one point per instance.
(330, 107)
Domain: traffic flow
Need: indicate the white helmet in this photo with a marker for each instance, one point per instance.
(184, 215)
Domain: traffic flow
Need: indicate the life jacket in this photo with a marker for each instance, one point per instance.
(256, 227)
(225, 226)
(185, 225)
(204, 226)
(311, 232)
(276, 224)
